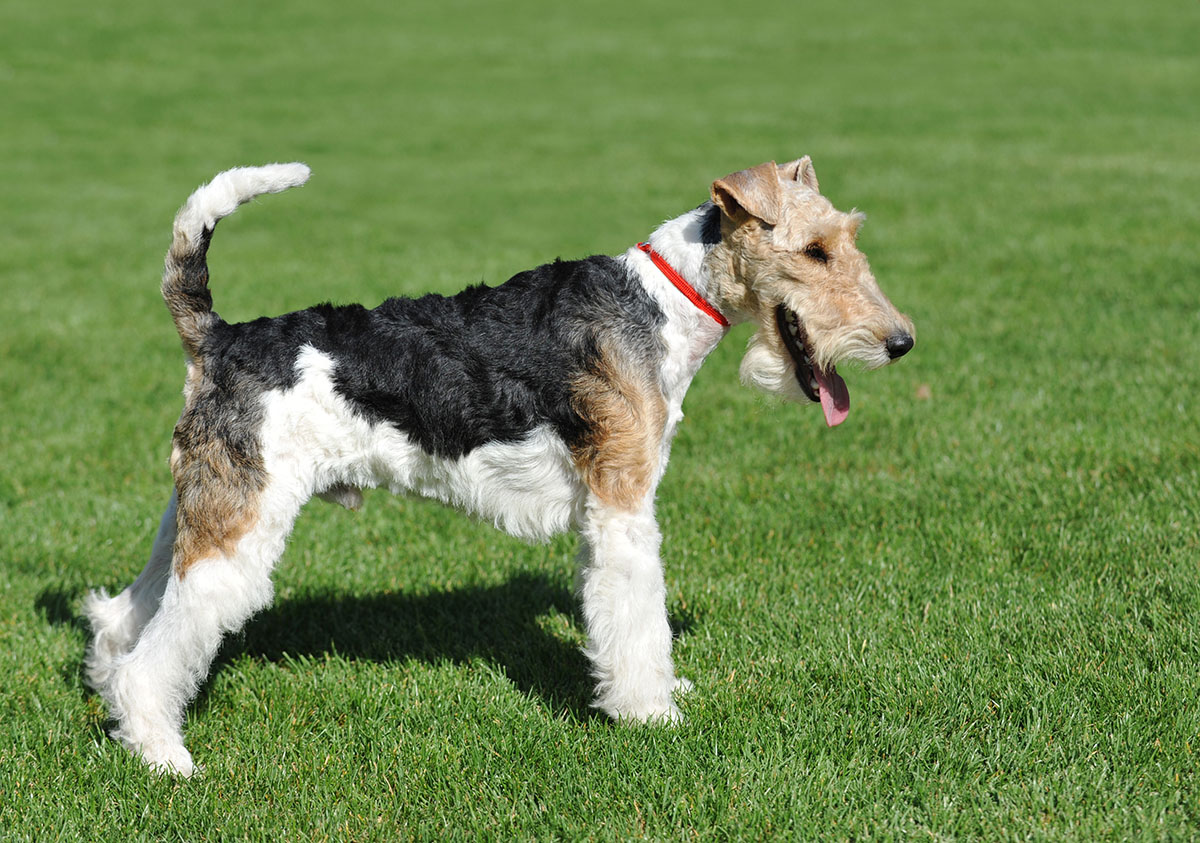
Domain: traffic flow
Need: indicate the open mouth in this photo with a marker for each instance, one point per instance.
(823, 385)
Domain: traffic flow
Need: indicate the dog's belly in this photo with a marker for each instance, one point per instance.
(525, 488)
(314, 443)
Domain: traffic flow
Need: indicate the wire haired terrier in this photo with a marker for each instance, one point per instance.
(546, 403)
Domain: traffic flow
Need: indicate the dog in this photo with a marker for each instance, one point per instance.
(543, 404)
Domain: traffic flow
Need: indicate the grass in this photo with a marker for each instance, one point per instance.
(970, 612)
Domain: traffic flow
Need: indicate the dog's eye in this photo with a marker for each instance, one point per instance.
(815, 251)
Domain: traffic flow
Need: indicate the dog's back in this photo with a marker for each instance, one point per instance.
(489, 364)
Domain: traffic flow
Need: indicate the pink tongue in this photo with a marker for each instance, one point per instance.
(835, 398)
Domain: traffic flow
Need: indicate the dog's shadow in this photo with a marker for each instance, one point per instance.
(511, 625)
(503, 624)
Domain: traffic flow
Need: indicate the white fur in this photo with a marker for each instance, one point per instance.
(151, 686)
(222, 196)
(315, 442)
(117, 621)
(148, 687)
(763, 367)
(689, 334)
(624, 610)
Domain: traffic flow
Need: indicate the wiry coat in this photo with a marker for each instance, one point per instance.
(545, 403)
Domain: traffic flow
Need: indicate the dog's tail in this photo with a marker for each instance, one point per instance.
(185, 276)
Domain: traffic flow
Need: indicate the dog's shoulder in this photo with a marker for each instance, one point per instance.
(574, 300)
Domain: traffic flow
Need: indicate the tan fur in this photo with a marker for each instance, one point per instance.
(218, 483)
(761, 263)
(800, 170)
(750, 193)
(626, 415)
(211, 525)
(183, 282)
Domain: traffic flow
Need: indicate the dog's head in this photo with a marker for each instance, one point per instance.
(788, 262)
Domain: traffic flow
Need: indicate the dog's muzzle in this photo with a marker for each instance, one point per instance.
(821, 385)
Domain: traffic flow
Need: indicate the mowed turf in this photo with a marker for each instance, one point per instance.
(969, 612)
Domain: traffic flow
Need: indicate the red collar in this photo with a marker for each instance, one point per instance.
(682, 285)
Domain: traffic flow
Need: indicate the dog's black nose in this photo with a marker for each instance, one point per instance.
(898, 345)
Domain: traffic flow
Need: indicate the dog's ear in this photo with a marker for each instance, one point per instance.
(800, 170)
(754, 192)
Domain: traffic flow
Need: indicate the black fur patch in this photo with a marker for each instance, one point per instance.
(710, 229)
(489, 364)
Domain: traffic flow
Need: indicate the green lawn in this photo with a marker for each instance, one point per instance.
(973, 611)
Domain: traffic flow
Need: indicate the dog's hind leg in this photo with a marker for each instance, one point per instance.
(118, 621)
(213, 588)
(624, 608)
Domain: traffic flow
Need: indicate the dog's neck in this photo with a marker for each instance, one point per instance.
(685, 241)
(691, 334)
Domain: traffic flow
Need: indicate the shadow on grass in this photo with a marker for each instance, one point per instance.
(58, 606)
(496, 623)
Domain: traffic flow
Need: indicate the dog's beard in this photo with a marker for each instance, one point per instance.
(769, 365)
(766, 366)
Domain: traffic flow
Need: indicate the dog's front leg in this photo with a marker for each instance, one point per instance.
(624, 609)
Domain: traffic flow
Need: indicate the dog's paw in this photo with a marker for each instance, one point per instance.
(162, 754)
(665, 716)
(171, 761)
(650, 712)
